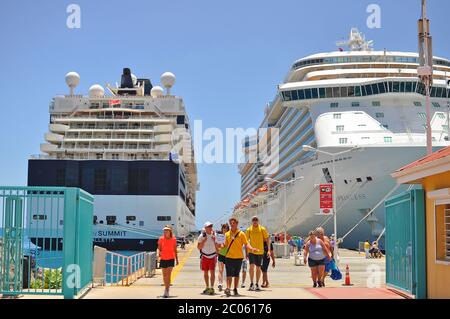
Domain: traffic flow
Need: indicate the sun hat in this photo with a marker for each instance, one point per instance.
(207, 224)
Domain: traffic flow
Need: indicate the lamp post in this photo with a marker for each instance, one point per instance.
(308, 148)
(268, 179)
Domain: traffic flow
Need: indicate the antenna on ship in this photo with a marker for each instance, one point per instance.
(356, 42)
(72, 81)
(168, 80)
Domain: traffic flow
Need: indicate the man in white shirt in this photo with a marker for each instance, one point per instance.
(207, 244)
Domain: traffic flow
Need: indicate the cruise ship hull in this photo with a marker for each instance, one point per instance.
(363, 181)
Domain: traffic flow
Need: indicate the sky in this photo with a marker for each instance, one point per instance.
(228, 57)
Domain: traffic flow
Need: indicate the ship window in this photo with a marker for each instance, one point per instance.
(369, 178)
(336, 92)
(343, 140)
(141, 223)
(308, 94)
(396, 87)
(337, 116)
(344, 91)
(355, 104)
(301, 94)
(414, 86)
(417, 103)
(287, 95)
(340, 128)
(294, 95)
(131, 218)
(335, 104)
(385, 126)
(164, 218)
(359, 180)
(329, 92)
(369, 89)
(40, 217)
(95, 220)
(402, 86)
(111, 220)
(422, 115)
(357, 91)
(381, 88)
(375, 89)
(408, 87)
(441, 115)
(314, 93)
(365, 138)
(436, 104)
(351, 91)
(321, 93)
(379, 115)
(388, 139)
(376, 103)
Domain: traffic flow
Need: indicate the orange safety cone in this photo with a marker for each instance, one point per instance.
(347, 277)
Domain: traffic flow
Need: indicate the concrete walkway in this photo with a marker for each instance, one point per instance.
(287, 282)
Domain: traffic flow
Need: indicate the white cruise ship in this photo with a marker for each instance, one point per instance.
(119, 147)
(334, 102)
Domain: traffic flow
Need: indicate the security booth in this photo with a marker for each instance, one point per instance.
(46, 241)
(433, 174)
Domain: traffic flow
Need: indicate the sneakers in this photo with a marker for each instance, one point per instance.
(227, 292)
(235, 292)
(208, 291)
(166, 293)
(257, 288)
(220, 287)
(252, 287)
(315, 285)
(243, 286)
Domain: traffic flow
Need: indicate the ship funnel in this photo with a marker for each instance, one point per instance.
(127, 80)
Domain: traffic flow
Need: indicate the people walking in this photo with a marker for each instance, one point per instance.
(234, 240)
(367, 248)
(168, 256)
(257, 235)
(320, 233)
(208, 249)
(222, 252)
(316, 253)
(268, 255)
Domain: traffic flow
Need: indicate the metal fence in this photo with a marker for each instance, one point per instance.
(46, 240)
(124, 270)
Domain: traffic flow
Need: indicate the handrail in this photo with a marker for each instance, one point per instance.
(124, 270)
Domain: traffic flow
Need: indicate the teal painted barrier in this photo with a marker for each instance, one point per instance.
(405, 243)
(46, 241)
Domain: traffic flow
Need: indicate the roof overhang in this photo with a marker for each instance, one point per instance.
(416, 174)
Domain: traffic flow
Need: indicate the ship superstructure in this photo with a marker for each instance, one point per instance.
(120, 148)
(335, 101)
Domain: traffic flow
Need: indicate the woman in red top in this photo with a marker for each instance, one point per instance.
(167, 251)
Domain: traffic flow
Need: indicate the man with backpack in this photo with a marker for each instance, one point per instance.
(234, 240)
(207, 244)
(257, 235)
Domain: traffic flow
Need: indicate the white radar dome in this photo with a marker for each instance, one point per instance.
(157, 91)
(72, 79)
(134, 79)
(96, 91)
(168, 79)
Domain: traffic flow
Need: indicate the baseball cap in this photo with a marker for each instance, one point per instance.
(208, 224)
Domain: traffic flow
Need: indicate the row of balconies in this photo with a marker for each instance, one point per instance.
(62, 128)
(52, 148)
(57, 138)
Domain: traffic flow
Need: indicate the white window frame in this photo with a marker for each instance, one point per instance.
(340, 128)
(439, 197)
(343, 139)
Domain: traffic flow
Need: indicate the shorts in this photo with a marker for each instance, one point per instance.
(316, 263)
(265, 263)
(208, 263)
(233, 267)
(167, 263)
(222, 258)
(244, 265)
(255, 259)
